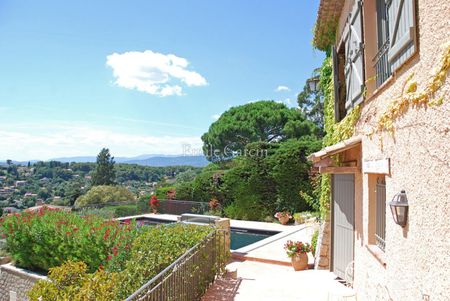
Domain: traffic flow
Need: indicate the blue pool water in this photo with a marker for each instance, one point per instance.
(243, 237)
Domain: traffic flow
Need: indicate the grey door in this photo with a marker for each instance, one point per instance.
(343, 194)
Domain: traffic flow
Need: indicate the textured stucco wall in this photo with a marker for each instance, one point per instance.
(16, 280)
(417, 257)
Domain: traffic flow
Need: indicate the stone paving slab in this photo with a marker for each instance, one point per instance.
(271, 250)
(260, 281)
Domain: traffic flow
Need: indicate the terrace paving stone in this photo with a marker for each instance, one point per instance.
(261, 281)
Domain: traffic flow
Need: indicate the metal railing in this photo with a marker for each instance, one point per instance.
(380, 227)
(179, 207)
(190, 275)
(382, 66)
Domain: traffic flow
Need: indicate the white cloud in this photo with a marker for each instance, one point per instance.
(45, 142)
(215, 116)
(282, 89)
(153, 73)
(287, 101)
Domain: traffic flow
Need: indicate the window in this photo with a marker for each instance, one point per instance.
(389, 28)
(380, 220)
(382, 65)
(348, 63)
(339, 83)
(401, 15)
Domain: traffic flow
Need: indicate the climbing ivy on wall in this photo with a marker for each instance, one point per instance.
(410, 97)
(335, 132)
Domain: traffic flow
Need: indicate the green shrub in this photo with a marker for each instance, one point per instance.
(143, 204)
(161, 193)
(102, 195)
(246, 208)
(125, 210)
(314, 242)
(185, 191)
(71, 281)
(105, 213)
(156, 248)
(48, 238)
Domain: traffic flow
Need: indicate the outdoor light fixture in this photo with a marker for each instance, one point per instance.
(399, 208)
(313, 83)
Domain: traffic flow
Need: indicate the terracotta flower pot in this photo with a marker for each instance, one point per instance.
(300, 262)
(284, 220)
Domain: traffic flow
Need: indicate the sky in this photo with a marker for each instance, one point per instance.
(142, 76)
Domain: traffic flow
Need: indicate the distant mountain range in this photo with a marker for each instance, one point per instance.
(157, 160)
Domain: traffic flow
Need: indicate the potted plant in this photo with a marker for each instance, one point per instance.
(297, 251)
(283, 217)
(214, 207)
(154, 203)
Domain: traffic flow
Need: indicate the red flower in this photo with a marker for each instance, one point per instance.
(109, 257)
(154, 202)
(106, 234)
(68, 233)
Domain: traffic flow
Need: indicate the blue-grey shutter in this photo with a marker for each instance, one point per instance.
(337, 97)
(402, 31)
(354, 57)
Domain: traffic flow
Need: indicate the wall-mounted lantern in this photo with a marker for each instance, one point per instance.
(313, 84)
(399, 208)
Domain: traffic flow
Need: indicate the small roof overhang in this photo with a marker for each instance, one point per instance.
(335, 149)
(326, 23)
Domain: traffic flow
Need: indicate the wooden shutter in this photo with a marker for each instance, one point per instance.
(336, 84)
(354, 57)
(402, 31)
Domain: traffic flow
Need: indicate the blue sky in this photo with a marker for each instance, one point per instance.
(142, 77)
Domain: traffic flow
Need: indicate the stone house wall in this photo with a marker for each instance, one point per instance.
(415, 264)
(16, 282)
(322, 260)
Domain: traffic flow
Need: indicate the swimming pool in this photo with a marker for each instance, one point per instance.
(240, 237)
(243, 237)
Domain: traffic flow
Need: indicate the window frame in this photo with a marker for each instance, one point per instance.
(380, 213)
(381, 62)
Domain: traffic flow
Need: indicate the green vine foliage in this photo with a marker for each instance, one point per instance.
(335, 132)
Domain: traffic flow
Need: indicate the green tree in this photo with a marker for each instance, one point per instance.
(290, 171)
(104, 195)
(185, 191)
(262, 121)
(186, 176)
(311, 104)
(104, 173)
(73, 191)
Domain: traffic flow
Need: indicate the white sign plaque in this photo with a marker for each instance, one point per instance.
(377, 166)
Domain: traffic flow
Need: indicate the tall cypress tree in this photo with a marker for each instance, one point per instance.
(104, 173)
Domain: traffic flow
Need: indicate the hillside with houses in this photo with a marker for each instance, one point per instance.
(61, 183)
